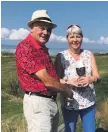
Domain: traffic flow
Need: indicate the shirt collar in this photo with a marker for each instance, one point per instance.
(36, 44)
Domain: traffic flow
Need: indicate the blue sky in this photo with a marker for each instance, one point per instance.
(91, 16)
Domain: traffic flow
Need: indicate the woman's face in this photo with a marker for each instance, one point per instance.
(74, 41)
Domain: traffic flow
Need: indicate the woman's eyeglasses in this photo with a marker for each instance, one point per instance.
(73, 25)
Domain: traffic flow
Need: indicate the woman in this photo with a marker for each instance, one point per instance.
(83, 102)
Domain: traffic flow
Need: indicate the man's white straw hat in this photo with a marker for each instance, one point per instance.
(41, 16)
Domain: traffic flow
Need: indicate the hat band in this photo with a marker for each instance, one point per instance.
(43, 18)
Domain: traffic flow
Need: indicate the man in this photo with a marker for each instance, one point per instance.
(37, 76)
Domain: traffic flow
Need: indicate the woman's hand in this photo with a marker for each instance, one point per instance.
(73, 82)
(84, 81)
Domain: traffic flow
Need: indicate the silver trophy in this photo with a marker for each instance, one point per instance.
(80, 69)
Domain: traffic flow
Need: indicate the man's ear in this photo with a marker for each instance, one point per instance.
(32, 25)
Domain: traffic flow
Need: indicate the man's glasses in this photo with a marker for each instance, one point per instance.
(73, 25)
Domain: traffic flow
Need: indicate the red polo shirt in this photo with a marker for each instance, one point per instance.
(30, 58)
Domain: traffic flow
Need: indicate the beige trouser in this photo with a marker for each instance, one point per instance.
(41, 113)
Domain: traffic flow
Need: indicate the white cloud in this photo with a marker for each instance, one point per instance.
(86, 40)
(56, 38)
(21, 33)
(4, 33)
(102, 40)
(61, 39)
(14, 34)
(18, 34)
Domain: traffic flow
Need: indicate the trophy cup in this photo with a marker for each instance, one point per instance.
(80, 69)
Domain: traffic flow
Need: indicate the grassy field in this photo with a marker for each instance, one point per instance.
(11, 96)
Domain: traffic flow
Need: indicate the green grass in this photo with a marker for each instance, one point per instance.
(9, 108)
(102, 88)
(12, 107)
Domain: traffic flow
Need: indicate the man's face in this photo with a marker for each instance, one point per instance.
(41, 32)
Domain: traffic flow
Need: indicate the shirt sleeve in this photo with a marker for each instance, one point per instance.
(31, 61)
(58, 66)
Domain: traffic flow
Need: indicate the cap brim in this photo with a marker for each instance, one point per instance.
(45, 21)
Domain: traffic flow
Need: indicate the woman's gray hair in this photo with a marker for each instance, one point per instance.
(74, 29)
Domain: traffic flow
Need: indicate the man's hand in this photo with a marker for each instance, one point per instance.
(54, 84)
(67, 90)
